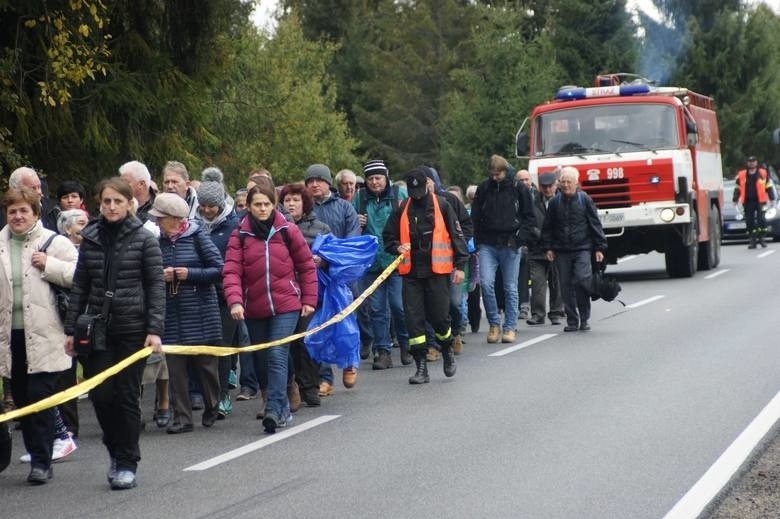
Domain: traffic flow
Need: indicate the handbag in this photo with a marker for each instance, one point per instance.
(61, 295)
(89, 332)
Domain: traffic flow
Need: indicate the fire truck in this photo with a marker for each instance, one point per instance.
(649, 157)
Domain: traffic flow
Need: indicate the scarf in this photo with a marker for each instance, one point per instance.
(261, 228)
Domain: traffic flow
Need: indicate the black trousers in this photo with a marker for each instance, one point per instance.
(427, 299)
(474, 308)
(754, 218)
(307, 372)
(229, 327)
(117, 400)
(28, 388)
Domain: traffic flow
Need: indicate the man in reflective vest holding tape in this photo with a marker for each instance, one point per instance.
(426, 231)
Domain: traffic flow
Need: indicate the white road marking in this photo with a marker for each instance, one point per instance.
(716, 273)
(506, 351)
(273, 438)
(644, 301)
(719, 474)
(765, 254)
(627, 258)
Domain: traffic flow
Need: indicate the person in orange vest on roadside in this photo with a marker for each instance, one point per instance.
(426, 231)
(754, 190)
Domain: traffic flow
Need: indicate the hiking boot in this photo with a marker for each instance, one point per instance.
(270, 423)
(39, 476)
(349, 377)
(761, 241)
(421, 375)
(457, 345)
(448, 356)
(382, 360)
(752, 242)
(326, 388)
(406, 357)
(311, 397)
(432, 355)
(571, 328)
(533, 321)
(493, 334)
(365, 350)
(508, 336)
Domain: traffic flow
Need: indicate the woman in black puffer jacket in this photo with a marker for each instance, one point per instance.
(135, 320)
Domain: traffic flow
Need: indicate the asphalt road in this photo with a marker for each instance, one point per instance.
(617, 422)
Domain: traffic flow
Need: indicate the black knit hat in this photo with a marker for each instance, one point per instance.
(375, 167)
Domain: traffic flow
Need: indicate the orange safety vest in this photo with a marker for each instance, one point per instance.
(760, 185)
(441, 246)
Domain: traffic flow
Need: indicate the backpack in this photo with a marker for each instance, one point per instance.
(61, 295)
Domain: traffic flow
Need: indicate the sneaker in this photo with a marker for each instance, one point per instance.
(571, 328)
(224, 408)
(270, 423)
(326, 388)
(111, 474)
(124, 479)
(523, 315)
(533, 321)
(493, 334)
(246, 394)
(63, 448)
(25, 458)
(349, 377)
(232, 379)
(508, 336)
(382, 360)
(555, 320)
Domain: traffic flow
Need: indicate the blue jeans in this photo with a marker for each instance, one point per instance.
(386, 299)
(247, 377)
(272, 364)
(508, 259)
(574, 269)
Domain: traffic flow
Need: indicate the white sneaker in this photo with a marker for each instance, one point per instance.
(63, 448)
(60, 449)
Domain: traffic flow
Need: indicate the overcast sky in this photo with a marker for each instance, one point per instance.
(263, 15)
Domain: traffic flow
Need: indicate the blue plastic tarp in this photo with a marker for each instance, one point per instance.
(347, 260)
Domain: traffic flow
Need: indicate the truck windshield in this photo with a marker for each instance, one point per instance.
(614, 128)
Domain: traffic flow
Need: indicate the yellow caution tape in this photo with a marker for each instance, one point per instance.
(220, 351)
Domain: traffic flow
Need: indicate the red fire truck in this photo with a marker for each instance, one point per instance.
(649, 157)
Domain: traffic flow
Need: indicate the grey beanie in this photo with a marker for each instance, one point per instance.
(320, 171)
(212, 174)
(211, 193)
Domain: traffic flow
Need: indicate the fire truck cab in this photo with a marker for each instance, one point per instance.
(649, 157)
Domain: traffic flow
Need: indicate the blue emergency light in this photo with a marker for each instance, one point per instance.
(569, 93)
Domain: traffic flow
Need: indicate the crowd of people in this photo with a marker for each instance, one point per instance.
(193, 265)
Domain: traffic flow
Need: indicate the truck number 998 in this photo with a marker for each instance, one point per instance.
(613, 173)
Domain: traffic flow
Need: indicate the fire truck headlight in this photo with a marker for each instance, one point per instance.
(667, 215)
(655, 179)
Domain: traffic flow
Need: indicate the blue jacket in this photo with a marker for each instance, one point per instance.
(220, 228)
(191, 308)
(339, 216)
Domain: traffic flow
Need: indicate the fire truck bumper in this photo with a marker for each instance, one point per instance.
(655, 213)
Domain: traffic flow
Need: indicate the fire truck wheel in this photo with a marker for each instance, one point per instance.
(682, 251)
(709, 251)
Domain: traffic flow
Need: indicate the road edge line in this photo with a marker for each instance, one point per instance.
(520, 346)
(645, 301)
(251, 447)
(720, 473)
(716, 273)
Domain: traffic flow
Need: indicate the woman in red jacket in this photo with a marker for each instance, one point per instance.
(270, 280)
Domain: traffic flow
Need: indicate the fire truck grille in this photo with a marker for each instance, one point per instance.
(608, 194)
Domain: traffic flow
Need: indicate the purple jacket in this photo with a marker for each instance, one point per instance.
(267, 277)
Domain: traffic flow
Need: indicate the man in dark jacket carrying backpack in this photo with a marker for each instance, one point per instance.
(572, 232)
(503, 218)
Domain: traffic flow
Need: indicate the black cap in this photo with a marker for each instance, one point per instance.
(752, 157)
(416, 183)
(547, 179)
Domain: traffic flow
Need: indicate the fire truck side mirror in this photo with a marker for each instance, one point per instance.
(776, 137)
(692, 132)
(521, 144)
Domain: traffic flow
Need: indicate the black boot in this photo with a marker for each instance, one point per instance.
(752, 244)
(449, 360)
(761, 240)
(406, 357)
(421, 375)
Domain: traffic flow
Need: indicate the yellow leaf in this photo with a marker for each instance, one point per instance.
(30, 24)
(84, 30)
(51, 101)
